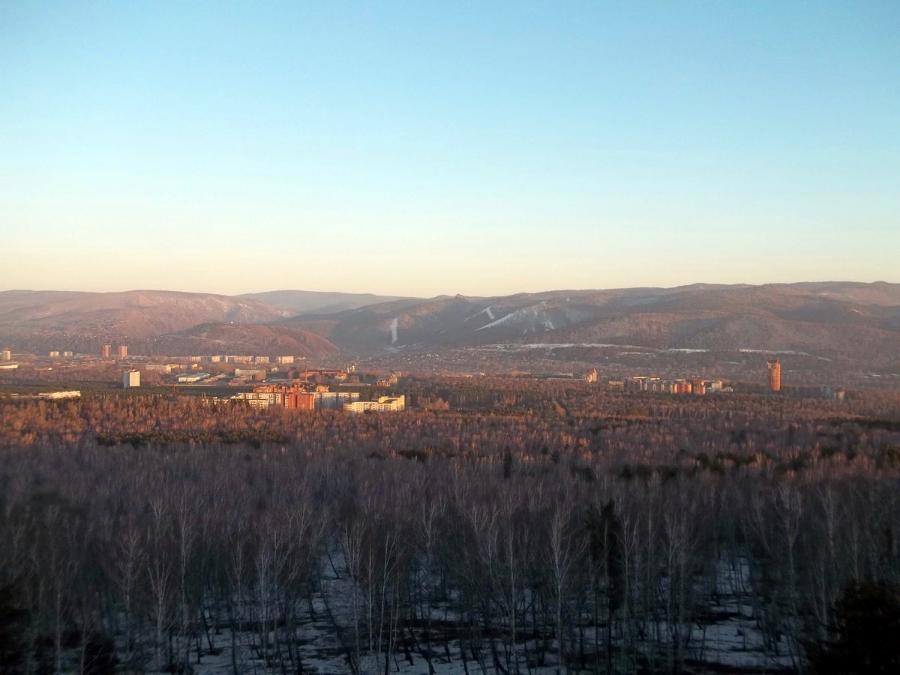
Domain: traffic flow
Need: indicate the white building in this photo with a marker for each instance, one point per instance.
(60, 395)
(192, 377)
(284, 360)
(383, 404)
(6, 355)
(131, 379)
(257, 399)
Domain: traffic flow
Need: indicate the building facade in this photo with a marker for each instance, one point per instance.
(774, 375)
(252, 373)
(383, 404)
(295, 397)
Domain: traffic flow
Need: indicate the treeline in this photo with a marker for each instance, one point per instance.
(631, 434)
(160, 560)
(652, 540)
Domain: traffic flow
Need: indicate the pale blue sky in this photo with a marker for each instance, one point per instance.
(423, 148)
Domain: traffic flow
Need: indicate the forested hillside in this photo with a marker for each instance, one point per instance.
(524, 529)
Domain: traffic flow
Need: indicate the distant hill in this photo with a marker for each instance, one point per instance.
(228, 338)
(42, 320)
(851, 321)
(306, 302)
(854, 322)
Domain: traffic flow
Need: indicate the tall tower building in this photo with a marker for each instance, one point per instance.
(131, 379)
(775, 375)
(105, 351)
(122, 351)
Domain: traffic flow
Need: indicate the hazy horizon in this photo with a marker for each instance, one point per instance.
(425, 150)
(551, 289)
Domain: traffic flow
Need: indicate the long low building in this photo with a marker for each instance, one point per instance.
(49, 395)
(192, 378)
(383, 404)
(334, 400)
(295, 397)
(640, 383)
(253, 373)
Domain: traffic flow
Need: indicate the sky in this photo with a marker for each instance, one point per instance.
(421, 148)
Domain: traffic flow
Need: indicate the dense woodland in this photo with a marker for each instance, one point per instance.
(503, 526)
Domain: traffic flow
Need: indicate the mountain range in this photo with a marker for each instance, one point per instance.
(854, 322)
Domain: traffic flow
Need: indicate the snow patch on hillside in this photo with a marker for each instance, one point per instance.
(531, 318)
(499, 321)
(487, 310)
(564, 345)
(394, 323)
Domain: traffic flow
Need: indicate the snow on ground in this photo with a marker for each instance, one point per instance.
(499, 321)
(730, 638)
(563, 345)
(789, 352)
(733, 638)
(774, 351)
(535, 316)
(487, 310)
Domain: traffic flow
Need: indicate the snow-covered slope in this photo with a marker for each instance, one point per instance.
(834, 318)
